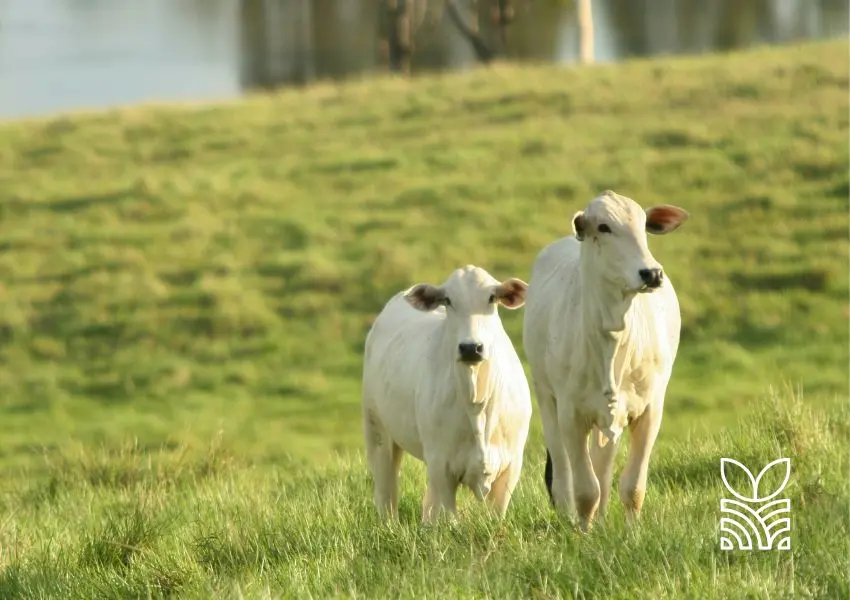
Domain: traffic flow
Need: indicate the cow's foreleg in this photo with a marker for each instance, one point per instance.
(644, 431)
(585, 484)
(557, 473)
(384, 458)
(503, 487)
(602, 458)
(440, 494)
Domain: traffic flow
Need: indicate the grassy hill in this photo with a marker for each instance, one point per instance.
(176, 275)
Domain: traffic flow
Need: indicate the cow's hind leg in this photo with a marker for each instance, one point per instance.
(602, 459)
(384, 458)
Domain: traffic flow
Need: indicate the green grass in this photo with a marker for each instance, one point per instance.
(121, 524)
(174, 277)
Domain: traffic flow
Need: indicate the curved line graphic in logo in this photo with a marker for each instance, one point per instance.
(752, 521)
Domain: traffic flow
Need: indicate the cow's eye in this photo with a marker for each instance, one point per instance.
(604, 228)
(492, 298)
(446, 301)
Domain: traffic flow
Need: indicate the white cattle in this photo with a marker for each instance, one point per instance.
(443, 382)
(601, 332)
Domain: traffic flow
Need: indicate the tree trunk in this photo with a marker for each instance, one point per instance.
(482, 50)
(585, 30)
(253, 45)
(305, 55)
(504, 14)
(399, 35)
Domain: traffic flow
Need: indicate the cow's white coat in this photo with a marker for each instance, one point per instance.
(601, 347)
(467, 422)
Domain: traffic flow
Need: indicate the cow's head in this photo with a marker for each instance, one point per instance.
(470, 297)
(616, 226)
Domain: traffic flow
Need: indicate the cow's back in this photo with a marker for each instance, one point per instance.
(398, 330)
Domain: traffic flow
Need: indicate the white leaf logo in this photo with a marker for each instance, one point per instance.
(754, 521)
(753, 493)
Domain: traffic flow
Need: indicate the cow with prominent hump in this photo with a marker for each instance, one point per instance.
(443, 382)
(601, 333)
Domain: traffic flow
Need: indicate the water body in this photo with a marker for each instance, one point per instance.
(62, 55)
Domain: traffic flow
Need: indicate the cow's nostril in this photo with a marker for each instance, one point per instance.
(471, 352)
(651, 277)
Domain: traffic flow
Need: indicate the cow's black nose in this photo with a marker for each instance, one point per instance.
(471, 352)
(651, 277)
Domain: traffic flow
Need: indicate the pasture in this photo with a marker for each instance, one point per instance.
(185, 291)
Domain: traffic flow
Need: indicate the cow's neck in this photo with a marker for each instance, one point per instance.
(604, 313)
(474, 384)
(474, 389)
(604, 305)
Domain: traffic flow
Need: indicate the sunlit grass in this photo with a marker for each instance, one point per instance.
(140, 523)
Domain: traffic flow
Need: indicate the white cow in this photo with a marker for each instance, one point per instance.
(601, 332)
(443, 382)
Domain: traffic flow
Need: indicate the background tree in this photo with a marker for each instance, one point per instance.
(401, 19)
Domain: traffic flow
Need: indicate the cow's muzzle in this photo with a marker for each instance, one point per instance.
(651, 278)
(471, 353)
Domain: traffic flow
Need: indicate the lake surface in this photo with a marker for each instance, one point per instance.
(62, 55)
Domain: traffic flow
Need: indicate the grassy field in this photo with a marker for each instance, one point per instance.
(186, 291)
(124, 525)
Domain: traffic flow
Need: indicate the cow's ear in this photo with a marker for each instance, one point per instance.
(511, 293)
(425, 297)
(664, 218)
(579, 225)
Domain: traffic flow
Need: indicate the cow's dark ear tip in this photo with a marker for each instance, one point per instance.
(579, 225)
(425, 297)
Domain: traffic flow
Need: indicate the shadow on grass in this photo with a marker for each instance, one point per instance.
(73, 204)
(811, 279)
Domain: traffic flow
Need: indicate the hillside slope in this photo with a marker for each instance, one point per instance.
(172, 271)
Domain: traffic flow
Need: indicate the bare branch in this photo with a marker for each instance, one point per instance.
(482, 50)
(420, 12)
(505, 16)
(399, 39)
